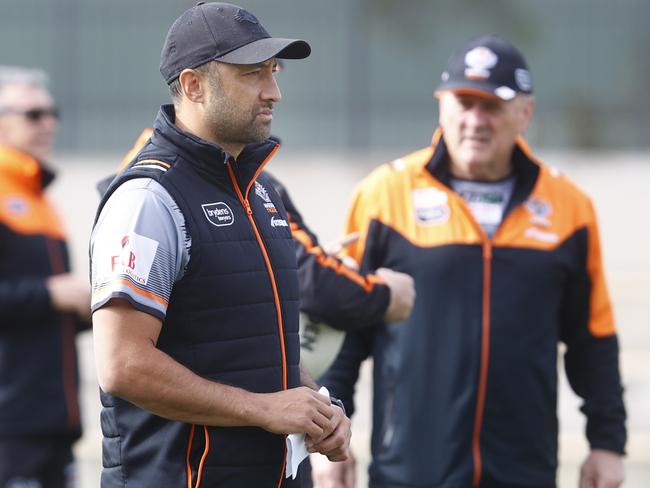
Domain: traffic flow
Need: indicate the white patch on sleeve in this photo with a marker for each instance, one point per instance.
(131, 255)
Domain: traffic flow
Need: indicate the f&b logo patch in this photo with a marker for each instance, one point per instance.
(218, 214)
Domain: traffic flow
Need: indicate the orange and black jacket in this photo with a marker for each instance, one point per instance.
(465, 390)
(38, 365)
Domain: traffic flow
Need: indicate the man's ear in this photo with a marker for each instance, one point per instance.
(192, 85)
(526, 112)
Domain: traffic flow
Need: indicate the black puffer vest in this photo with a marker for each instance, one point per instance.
(232, 318)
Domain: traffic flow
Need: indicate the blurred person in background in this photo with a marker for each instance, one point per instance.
(42, 305)
(506, 259)
(195, 288)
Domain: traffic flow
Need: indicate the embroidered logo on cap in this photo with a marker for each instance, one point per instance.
(523, 80)
(245, 16)
(479, 61)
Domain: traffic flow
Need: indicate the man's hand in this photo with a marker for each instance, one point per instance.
(335, 247)
(336, 445)
(298, 410)
(326, 474)
(602, 469)
(70, 293)
(402, 294)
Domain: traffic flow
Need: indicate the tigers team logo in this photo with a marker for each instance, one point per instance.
(261, 192)
(478, 63)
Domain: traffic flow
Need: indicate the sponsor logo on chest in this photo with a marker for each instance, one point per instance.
(430, 206)
(541, 235)
(278, 222)
(218, 214)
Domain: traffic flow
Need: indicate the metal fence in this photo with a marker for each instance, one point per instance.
(370, 79)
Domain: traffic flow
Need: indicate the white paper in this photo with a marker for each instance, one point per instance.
(296, 447)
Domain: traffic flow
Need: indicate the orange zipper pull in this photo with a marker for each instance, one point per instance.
(487, 250)
(249, 210)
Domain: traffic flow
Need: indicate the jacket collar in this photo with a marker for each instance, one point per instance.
(525, 168)
(209, 159)
(24, 169)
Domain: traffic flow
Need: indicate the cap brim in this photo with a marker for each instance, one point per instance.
(478, 87)
(263, 49)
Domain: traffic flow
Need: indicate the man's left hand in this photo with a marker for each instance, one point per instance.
(602, 469)
(335, 446)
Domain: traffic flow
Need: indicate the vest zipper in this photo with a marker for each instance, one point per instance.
(249, 210)
(276, 295)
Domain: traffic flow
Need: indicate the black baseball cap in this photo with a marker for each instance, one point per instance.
(222, 32)
(490, 65)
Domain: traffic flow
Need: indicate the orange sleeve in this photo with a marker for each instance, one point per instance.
(139, 143)
(360, 214)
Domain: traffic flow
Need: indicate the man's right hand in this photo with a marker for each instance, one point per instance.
(298, 410)
(327, 474)
(402, 294)
(70, 293)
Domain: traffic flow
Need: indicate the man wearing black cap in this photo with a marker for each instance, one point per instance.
(506, 259)
(195, 291)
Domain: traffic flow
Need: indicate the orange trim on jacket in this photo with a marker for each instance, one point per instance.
(131, 285)
(327, 261)
(188, 461)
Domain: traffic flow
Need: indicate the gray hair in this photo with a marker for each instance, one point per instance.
(17, 75)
